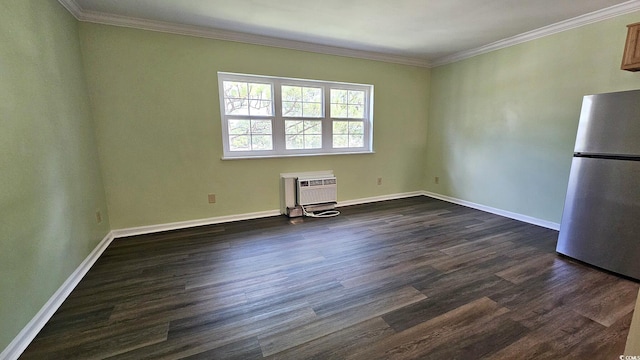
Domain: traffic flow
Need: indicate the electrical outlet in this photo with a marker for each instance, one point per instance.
(98, 217)
(436, 180)
(379, 181)
(212, 198)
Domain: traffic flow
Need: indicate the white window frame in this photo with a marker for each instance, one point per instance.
(278, 128)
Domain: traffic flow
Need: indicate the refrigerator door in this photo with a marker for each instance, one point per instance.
(610, 124)
(601, 219)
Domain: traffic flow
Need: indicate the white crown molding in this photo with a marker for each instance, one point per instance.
(72, 7)
(586, 19)
(218, 34)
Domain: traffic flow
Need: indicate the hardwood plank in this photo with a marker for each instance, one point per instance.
(206, 332)
(553, 340)
(432, 336)
(446, 293)
(338, 344)
(348, 299)
(467, 260)
(76, 320)
(530, 268)
(177, 305)
(100, 342)
(408, 270)
(240, 350)
(384, 303)
(409, 278)
(605, 344)
(608, 303)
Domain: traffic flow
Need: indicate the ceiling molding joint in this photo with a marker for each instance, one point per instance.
(226, 35)
(586, 19)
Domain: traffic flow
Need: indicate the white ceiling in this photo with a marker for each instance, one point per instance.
(420, 31)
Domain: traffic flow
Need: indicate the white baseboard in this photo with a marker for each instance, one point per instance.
(24, 338)
(524, 218)
(379, 198)
(29, 332)
(150, 229)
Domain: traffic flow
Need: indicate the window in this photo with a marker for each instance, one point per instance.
(269, 116)
(249, 107)
(348, 105)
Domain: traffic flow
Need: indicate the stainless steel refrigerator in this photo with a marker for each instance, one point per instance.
(601, 218)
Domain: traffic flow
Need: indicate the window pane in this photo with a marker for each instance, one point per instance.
(291, 93)
(242, 98)
(356, 127)
(312, 95)
(295, 142)
(356, 140)
(291, 109)
(341, 127)
(303, 134)
(259, 91)
(236, 107)
(356, 97)
(237, 127)
(239, 142)
(261, 127)
(312, 110)
(348, 134)
(261, 142)
(340, 141)
(339, 96)
(234, 89)
(347, 104)
(355, 112)
(313, 141)
(247, 135)
(313, 127)
(338, 110)
(260, 108)
(300, 101)
(293, 127)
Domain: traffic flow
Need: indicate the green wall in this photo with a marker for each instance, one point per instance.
(501, 128)
(502, 125)
(49, 173)
(156, 107)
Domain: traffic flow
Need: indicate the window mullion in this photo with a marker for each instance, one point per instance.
(327, 122)
(278, 120)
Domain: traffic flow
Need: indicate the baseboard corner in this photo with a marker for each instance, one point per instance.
(18, 345)
(512, 215)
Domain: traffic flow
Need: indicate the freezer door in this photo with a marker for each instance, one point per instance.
(601, 219)
(610, 124)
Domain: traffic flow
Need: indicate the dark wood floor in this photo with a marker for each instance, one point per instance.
(414, 278)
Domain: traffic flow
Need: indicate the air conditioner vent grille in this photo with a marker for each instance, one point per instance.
(317, 191)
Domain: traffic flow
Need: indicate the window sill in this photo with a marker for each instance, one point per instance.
(294, 155)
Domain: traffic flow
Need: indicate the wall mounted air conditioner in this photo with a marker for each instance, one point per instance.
(316, 190)
(315, 194)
